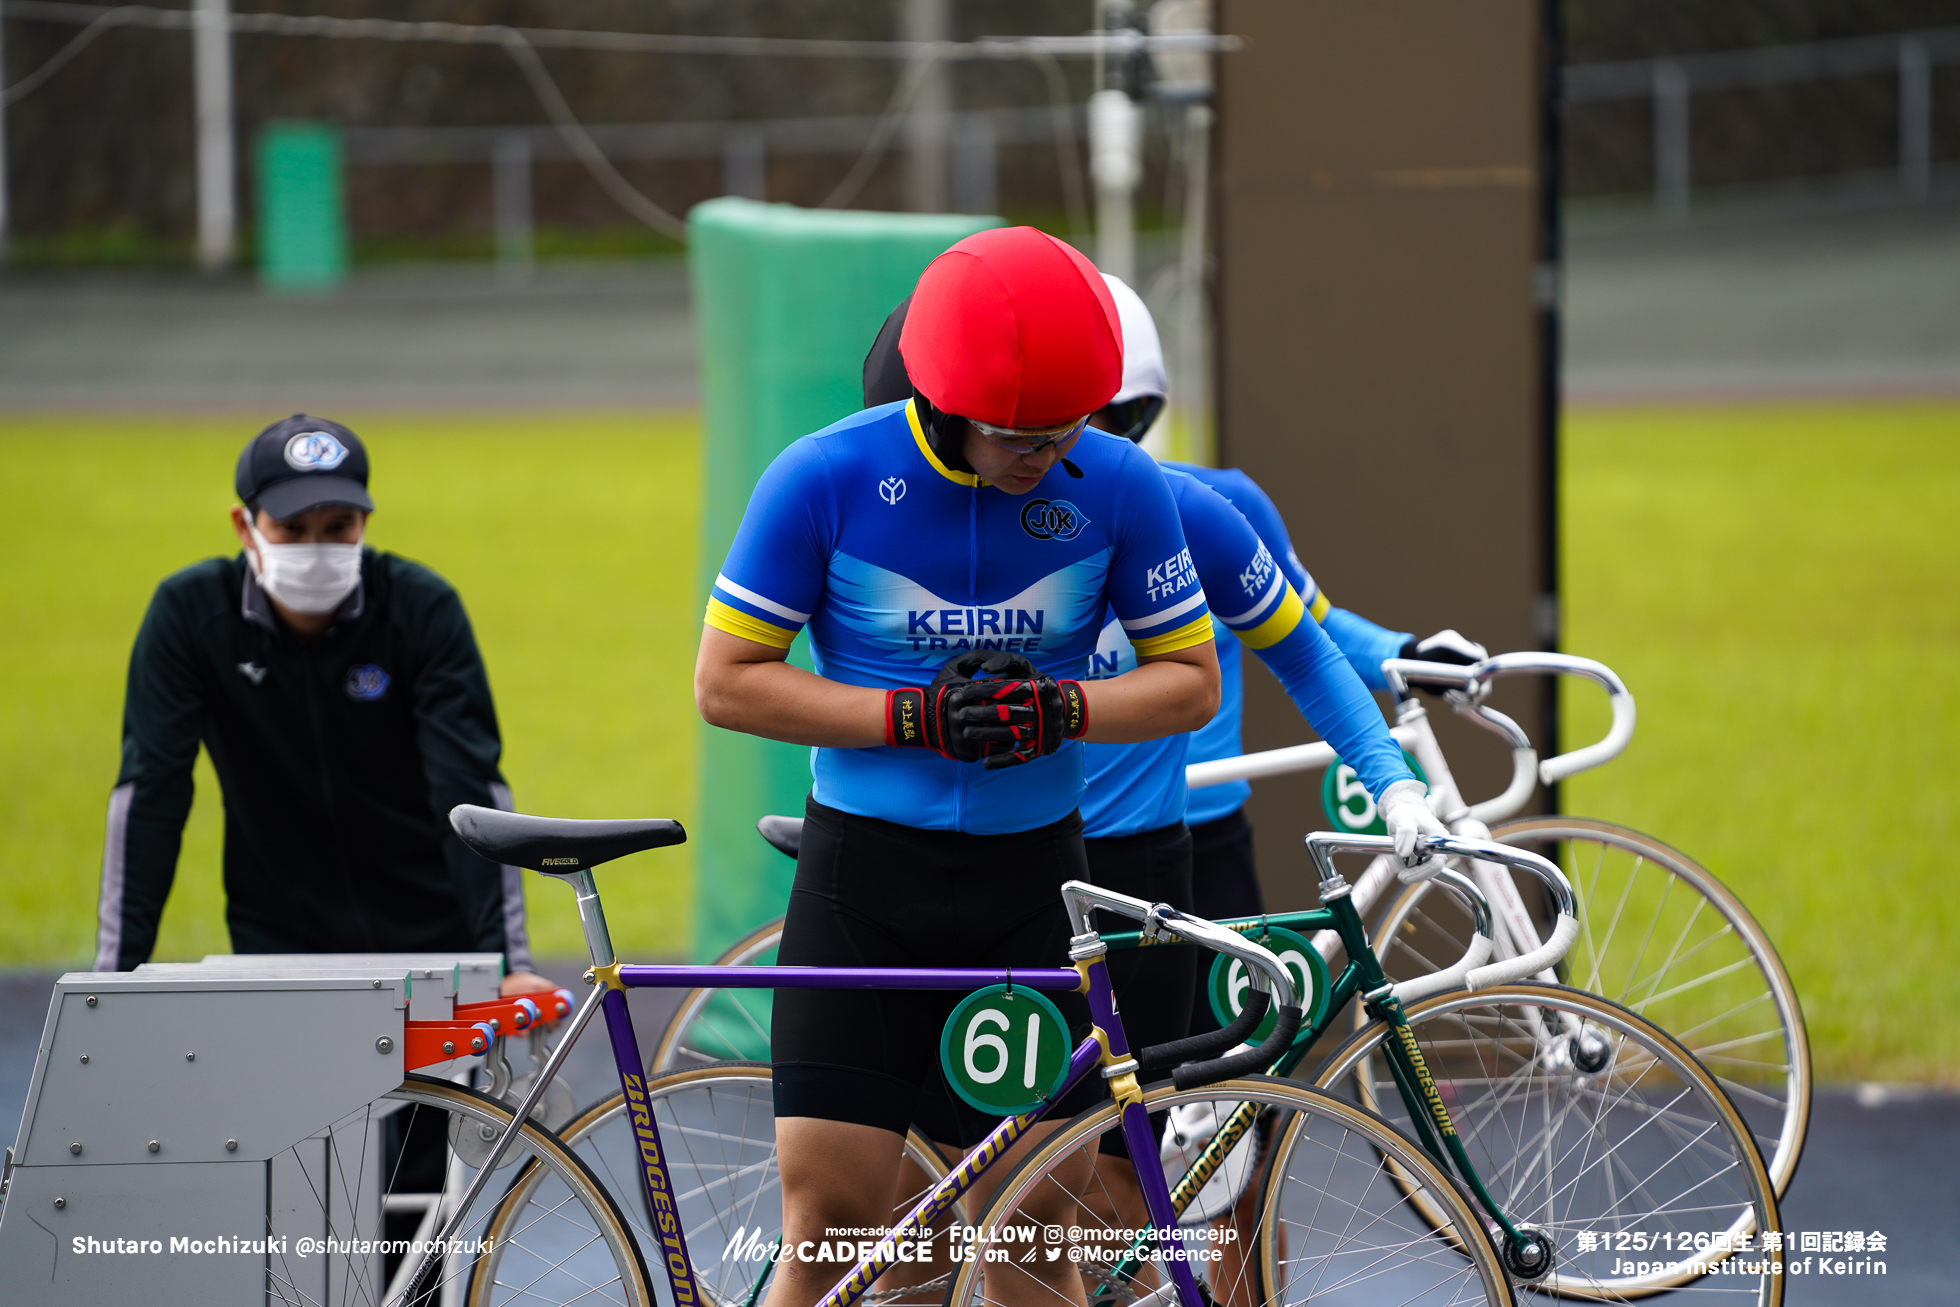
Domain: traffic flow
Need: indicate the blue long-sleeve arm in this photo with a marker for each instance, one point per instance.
(1364, 644)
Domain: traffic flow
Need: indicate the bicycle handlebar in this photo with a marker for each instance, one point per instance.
(1080, 897)
(1452, 977)
(1553, 770)
(1323, 845)
(1270, 975)
(1467, 686)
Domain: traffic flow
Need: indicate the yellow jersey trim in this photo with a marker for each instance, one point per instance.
(1188, 636)
(738, 623)
(1320, 606)
(925, 448)
(1277, 627)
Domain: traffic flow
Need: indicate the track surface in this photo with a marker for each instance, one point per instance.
(1783, 305)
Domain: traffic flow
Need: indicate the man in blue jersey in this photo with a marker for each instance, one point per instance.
(1136, 807)
(918, 541)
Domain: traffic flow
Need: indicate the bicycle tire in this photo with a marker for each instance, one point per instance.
(1571, 1148)
(340, 1184)
(1347, 1220)
(717, 1025)
(716, 1231)
(1734, 1008)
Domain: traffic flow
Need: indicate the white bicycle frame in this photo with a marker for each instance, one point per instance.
(1513, 933)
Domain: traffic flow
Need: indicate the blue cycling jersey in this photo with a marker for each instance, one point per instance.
(1364, 643)
(1136, 787)
(897, 563)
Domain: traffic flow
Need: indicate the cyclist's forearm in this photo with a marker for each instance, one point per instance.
(743, 686)
(1323, 685)
(1364, 644)
(1164, 696)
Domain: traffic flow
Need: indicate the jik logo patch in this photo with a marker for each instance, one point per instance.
(315, 451)
(366, 683)
(1053, 519)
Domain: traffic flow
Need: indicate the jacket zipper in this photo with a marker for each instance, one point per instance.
(327, 792)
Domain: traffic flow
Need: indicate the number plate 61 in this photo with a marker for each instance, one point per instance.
(1005, 1051)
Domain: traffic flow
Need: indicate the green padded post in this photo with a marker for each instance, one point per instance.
(786, 301)
(302, 227)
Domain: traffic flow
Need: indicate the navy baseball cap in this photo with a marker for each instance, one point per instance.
(303, 462)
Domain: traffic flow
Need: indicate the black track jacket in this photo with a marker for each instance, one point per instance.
(339, 762)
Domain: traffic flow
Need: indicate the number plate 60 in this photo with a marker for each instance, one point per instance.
(1230, 982)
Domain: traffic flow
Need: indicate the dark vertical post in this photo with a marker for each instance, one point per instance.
(1387, 274)
(1550, 285)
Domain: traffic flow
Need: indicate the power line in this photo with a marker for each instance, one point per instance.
(523, 43)
(564, 38)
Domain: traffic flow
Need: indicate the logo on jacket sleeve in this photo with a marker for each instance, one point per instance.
(1053, 519)
(366, 683)
(315, 451)
(891, 489)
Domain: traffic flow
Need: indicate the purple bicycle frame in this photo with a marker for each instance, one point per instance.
(857, 1282)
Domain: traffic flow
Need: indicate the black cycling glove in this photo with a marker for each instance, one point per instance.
(920, 718)
(1443, 647)
(1017, 714)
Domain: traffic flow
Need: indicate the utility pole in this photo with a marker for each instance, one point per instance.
(1116, 150)
(217, 219)
(929, 124)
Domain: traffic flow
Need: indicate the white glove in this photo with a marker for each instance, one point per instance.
(1405, 811)
(1450, 646)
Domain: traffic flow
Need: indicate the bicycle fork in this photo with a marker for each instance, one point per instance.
(1526, 1252)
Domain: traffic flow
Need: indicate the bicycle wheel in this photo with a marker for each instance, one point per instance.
(1350, 1233)
(387, 1174)
(722, 1025)
(1661, 935)
(1589, 1124)
(718, 1130)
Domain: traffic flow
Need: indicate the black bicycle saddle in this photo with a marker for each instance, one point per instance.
(556, 845)
(784, 833)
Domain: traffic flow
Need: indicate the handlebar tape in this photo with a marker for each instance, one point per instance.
(1193, 1074)
(1157, 1057)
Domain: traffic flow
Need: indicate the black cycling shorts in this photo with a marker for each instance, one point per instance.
(1224, 887)
(872, 893)
(1153, 985)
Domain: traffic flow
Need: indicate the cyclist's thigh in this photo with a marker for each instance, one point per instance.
(872, 893)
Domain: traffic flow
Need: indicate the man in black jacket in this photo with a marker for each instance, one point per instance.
(345, 707)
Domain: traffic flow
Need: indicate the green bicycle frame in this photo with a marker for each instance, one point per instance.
(1361, 976)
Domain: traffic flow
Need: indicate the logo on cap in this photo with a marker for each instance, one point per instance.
(315, 451)
(1053, 519)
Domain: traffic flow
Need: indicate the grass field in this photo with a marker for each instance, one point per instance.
(570, 537)
(1780, 588)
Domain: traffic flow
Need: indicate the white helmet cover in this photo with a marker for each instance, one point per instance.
(1143, 352)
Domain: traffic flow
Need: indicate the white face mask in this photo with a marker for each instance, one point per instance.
(306, 578)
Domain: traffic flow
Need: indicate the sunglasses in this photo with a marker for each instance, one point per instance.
(1030, 442)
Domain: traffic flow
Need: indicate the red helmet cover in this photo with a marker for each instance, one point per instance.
(1013, 328)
